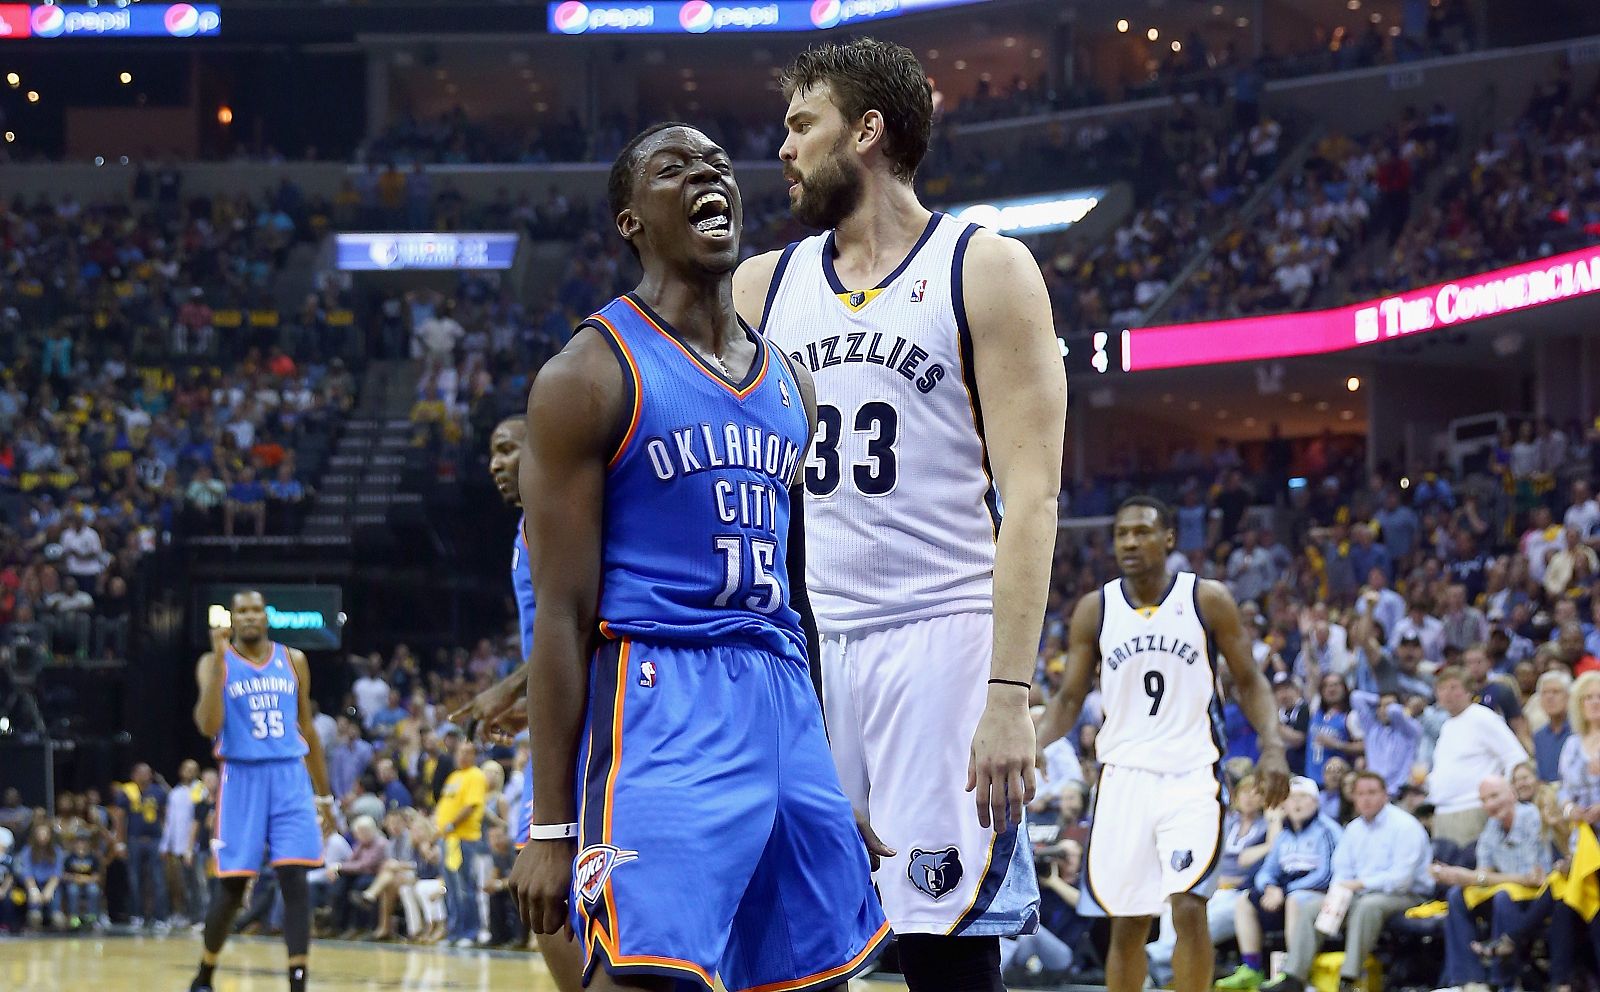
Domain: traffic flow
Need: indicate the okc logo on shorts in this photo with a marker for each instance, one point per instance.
(49, 22)
(935, 873)
(1182, 860)
(696, 16)
(647, 675)
(825, 13)
(594, 865)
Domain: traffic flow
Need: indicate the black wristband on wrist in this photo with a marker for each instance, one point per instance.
(1020, 685)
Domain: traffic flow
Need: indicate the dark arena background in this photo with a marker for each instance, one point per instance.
(1325, 275)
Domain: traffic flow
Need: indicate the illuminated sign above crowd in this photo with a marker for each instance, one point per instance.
(707, 17)
(301, 616)
(1031, 215)
(144, 20)
(1414, 312)
(412, 251)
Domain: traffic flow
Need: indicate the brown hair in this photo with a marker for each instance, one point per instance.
(1374, 776)
(867, 74)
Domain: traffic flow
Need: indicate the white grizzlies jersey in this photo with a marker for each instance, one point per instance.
(1158, 681)
(901, 511)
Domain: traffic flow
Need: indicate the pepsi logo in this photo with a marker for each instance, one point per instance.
(696, 16)
(49, 22)
(572, 17)
(182, 20)
(825, 13)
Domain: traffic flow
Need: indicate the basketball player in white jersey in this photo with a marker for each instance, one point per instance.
(1156, 830)
(941, 397)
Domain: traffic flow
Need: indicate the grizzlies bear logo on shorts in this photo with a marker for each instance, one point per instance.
(935, 872)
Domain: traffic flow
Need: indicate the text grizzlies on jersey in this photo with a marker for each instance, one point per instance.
(701, 448)
(856, 348)
(1182, 650)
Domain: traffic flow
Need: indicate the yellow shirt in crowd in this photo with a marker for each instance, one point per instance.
(463, 788)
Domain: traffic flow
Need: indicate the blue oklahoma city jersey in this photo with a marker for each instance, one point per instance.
(697, 496)
(260, 709)
(522, 585)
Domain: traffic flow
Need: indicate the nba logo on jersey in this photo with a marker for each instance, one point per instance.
(918, 288)
(647, 675)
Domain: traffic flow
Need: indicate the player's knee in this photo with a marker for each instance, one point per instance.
(1188, 908)
(950, 964)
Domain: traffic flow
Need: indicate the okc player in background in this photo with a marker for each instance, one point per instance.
(501, 708)
(255, 701)
(709, 830)
(1156, 830)
(941, 395)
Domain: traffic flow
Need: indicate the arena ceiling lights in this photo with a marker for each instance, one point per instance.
(20, 21)
(575, 17)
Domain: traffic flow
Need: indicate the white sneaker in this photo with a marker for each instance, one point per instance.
(466, 942)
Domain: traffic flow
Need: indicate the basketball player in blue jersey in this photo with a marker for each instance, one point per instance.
(255, 702)
(501, 708)
(707, 833)
(942, 401)
(1151, 638)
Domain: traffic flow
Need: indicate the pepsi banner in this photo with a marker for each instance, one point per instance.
(145, 20)
(398, 252)
(709, 17)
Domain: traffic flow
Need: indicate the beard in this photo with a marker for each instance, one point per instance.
(830, 194)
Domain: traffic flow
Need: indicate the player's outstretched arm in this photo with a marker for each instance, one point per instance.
(752, 281)
(1021, 405)
(1221, 616)
(209, 674)
(575, 423)
(1083, 657)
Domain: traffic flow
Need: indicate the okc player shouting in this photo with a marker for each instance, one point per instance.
(711, 833)
(255, 700)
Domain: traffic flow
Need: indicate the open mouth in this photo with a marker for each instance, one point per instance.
(712, 215)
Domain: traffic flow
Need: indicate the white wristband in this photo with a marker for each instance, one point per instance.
(552, 831)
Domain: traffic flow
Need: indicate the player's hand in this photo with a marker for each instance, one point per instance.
(486, 705)
(541, 885)
(221, 637)
(876, 848)
(1272, 777)
(503, 726)
(1000, 768)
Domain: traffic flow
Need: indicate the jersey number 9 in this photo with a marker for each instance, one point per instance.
(1155, 686)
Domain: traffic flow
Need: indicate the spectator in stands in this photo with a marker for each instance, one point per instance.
(394, 793)
(178, 841)
(459, 817)
(1510, 852)
(141, 802)
(1382, 859)
(1331, 730)
(247, 498)
(1580, 756)
(1289, 884)
(1391, 735)
(1496, 693)
(1419, 622)
(505, 925)
(1294, 719)
(1053, 946)
(204, 497)
(1474, 744)
(1554, 694)
(70, 609)
(40, 868)
(424, 898)
(352, 876)
(83, 881)
(9, 882)
(1248, 833)
(371, 691)
(348, 758)
(286, 499)
(85, 557)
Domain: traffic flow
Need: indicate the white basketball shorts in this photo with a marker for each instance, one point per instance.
(902, 704)
(1153, 835)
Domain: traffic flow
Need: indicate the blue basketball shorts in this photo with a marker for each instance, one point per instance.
(262, 807)
(713, 835)
(523, 814)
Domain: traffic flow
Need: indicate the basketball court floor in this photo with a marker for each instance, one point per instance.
(256, 964)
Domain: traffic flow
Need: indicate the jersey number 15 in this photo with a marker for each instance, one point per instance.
(748, 581)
